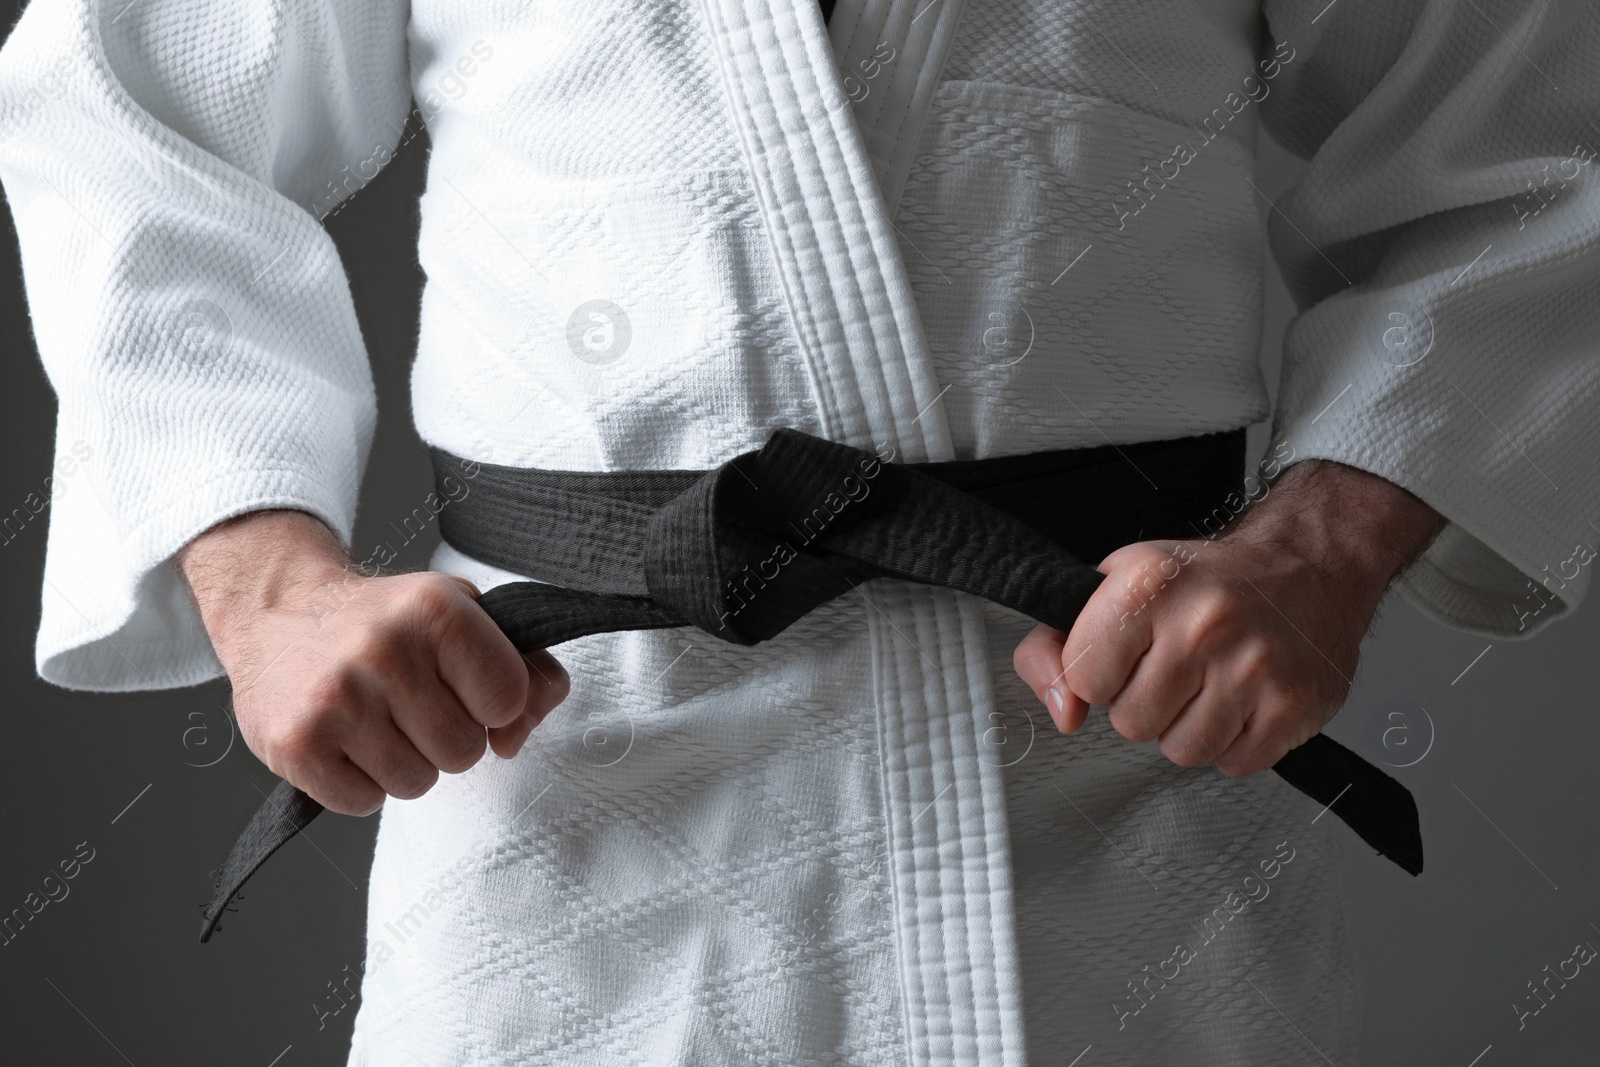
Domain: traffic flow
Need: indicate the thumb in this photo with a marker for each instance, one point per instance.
(1135, 550)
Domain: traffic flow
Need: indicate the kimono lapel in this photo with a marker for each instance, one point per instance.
(820, 196)
(891, 54)
(828, 152)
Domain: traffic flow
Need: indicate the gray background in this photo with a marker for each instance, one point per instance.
(113, 973)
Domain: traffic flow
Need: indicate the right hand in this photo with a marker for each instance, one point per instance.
(354, 688)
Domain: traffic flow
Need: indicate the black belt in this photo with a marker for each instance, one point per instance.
(745, 550)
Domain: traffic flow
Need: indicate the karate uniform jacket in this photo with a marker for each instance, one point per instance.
(655, 230)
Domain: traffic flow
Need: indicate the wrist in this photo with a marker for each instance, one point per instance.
(1346, 521)
(257, 562)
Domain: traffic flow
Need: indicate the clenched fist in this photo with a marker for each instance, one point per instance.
(1235, 650)
(352, 687)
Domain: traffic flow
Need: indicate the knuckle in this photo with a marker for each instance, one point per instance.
(1190, 751)
(1211, 616)
(514, 683)
(1301, 729)
(331, 692)
(1024, 662)
(376, 648)
(1180, 752)
(411, 781)
(552, 687)
(298, 751)
(1132, 724)
(1090, 679)
(1146, 555)
(352, 794)
(431, 597)
(505, 698)
(1298, 695)
(1238, 766)
(1093, 690)
(1217, 606)
(1258, 661)
(462, 752)
(1279, 723)
(1141, 582)
(309, 760)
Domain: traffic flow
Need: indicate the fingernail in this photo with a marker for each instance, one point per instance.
(1053, 700)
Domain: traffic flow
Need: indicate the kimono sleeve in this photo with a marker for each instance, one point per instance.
(1441, 248)
(168, 164)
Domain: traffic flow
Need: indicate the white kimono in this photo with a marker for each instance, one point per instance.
(655, 230)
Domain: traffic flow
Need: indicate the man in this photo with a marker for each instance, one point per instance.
(656, 231)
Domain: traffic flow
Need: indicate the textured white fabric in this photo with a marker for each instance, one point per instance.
(960, 229)
(192, 315)
(1451, 184)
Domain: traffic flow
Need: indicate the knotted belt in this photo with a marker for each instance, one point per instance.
(745, 550)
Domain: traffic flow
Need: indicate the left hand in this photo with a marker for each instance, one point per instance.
(1238, 648)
